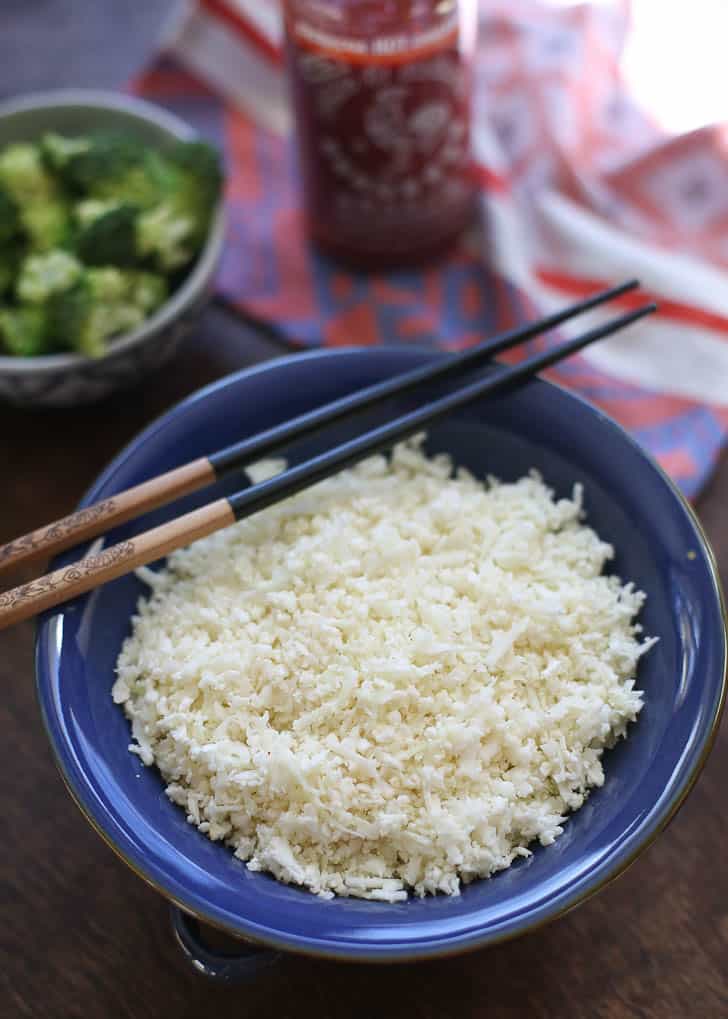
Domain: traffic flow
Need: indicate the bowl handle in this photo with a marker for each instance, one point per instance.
(240, 967)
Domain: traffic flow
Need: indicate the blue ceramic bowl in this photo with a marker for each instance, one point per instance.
(629, 501)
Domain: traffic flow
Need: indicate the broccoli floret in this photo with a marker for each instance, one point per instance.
(43, 213)
(113, 167)
(94, 310)
(106, 233)
(91, 209)
(201, 163)
(98, 157)
(172, 232)
(47, 224)
(42, 276)
(146, 290)
(107, 284)
(24, 176)
(104, 303)
(143, 290)
(166, 234)
(9, 218)
(25, 331)
(104, 322)
(57, 150)
(136, 186)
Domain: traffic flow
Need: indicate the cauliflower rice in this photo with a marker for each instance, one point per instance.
(394, 681)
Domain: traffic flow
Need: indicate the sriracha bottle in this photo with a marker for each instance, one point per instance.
(381, 92)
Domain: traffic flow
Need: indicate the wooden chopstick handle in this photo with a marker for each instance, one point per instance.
(28, 600)
(101, 516)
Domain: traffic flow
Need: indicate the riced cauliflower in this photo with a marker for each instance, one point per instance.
(394, 682)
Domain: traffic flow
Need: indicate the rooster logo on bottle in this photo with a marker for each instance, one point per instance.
(390, 127)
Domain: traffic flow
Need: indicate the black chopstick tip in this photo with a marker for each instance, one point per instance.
(627, 319)
(617, 290)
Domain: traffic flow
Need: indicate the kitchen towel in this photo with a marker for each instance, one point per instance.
(580, 189)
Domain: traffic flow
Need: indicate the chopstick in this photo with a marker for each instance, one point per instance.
(70, 581)
(190, 477)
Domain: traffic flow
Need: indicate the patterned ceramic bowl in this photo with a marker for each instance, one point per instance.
(62, 380)
(629, 501)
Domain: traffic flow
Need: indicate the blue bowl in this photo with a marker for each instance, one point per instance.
(629, 501)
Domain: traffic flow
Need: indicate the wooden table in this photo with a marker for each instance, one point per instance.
(81, 936)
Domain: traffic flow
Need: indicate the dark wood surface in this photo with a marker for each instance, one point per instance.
(81, 936)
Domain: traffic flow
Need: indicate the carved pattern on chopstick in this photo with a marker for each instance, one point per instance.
(83, 568)
(39, 539)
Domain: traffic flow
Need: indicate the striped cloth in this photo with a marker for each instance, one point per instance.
(579, 189)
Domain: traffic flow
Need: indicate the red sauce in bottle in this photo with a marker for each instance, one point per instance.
(382, 99)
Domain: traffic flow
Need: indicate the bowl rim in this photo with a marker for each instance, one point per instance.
(654, 822)
(194, 282)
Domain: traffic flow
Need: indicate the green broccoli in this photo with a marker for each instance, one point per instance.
(42, 276)
(108, 283)
(9, 218)
(171, 232)
(90, 227)
(200, 163)
(166, 235)
(136, 186)
(146, 290)
(89, 210)
(93, 310)
(143, 290)
(25, 331)
(106, 233)
(43, 214)
(23, 175)
(47, 224)
(57, 150)
(112, 167)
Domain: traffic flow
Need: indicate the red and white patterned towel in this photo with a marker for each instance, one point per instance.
(580, 190)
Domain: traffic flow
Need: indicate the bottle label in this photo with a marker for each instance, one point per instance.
(385, 49)
(384, 127)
